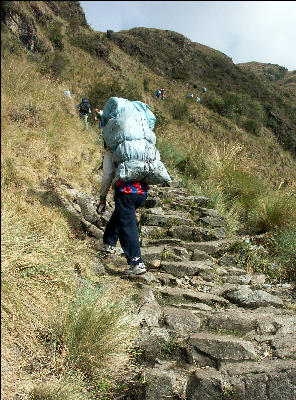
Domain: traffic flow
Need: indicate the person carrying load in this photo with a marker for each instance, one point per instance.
(131, 163)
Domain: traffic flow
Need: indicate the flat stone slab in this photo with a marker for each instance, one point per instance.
(166, 220)
(151, 341)
(188, 232)
(164, 383)
(210, 247)
(152, 232)
(263, 380)
(182, 321)
(257, 367)
(247, 297)
(233, 320)
(223, 347)
(161, 242)
(212, 221)
(188, 294)
(152, 253)
(204, 384)
(194, 306)
(149, 309)
(186, 268)
(284, 346)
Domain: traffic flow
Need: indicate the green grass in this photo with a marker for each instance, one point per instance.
(67, 388)
(273, 255)
(96, 331)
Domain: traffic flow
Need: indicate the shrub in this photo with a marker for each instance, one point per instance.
(179, 110)
(146, 83)
(252, 125)
(96, 331)
(67, 388)
(55, 35)
(285, 253)
(55, 64)
(274, 210)
(161, 122)
(100, 92)
(90, 42)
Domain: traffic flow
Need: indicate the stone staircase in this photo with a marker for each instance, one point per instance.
(208, 329)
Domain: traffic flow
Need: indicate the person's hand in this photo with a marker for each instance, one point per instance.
(101, 206)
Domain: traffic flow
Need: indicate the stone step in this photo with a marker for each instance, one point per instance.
(207, 329)
(186, 268)
(166, 220)
(219, 348)
(191, 295)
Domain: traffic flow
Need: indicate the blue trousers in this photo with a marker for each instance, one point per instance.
(122, 225)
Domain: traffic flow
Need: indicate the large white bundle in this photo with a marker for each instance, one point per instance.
(128, 134)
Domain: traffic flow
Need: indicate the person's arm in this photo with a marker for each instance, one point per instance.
(108, 173)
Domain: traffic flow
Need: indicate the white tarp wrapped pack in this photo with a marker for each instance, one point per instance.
(128, 134)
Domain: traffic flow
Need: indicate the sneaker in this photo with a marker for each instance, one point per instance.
(107, 248)
(136, 269)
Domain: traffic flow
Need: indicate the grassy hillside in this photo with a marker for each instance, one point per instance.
(47, 48)
(172, 55)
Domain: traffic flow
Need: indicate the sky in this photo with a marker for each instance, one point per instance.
(262, 31)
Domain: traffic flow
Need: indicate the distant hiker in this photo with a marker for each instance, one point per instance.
(187, 85)
(198, 99)
(67, 93)
(84, 111)
(157, 93)
(129, 169)
(204, 89)
(162, 94)
(98, 117)
(275, 117)
(191, 95)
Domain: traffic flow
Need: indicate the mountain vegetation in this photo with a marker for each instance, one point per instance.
(237, 146)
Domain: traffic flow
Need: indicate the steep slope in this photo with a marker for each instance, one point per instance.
(173, 55)
(58, 295)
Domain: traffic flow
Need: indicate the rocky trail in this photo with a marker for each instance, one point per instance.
(209, 329)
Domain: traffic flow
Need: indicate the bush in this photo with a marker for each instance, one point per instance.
(55, 64)
(68, 388)
(179, 110)
(55, 35)
(96, 332)
(161, 122)
(285, 253)
(274, 210)
(146, 83)
(100, 92)
(252, 125)
(90, 42)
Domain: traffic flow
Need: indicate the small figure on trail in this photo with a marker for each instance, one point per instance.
(187, 85)
(98, 117)
(67, 93)
(157, 93)
(204, 89)
(84, 110)
(191, 95)
(197, 98)
(162, 94)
